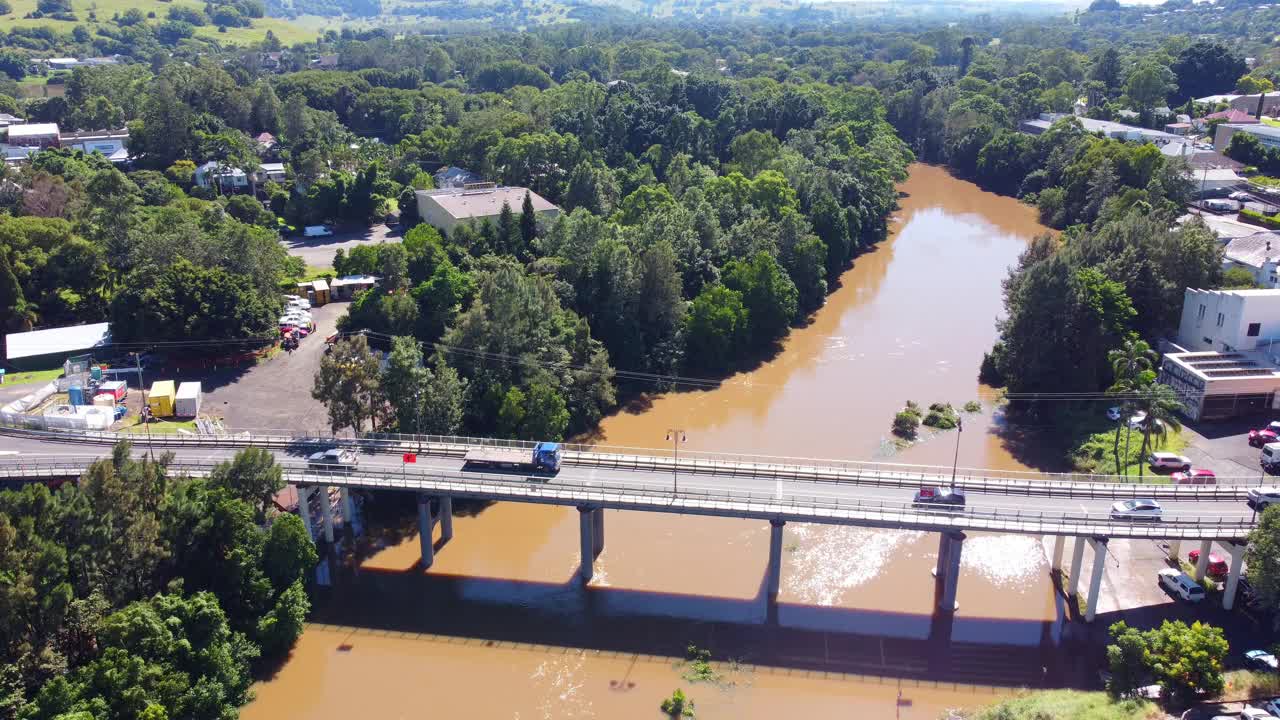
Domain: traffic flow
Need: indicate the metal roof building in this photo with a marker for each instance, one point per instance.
(57, 341)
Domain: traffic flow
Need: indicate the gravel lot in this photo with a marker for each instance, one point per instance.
(319, 251)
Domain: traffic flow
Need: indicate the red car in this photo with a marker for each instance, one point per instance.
(1195, 476)
(1217, 565)
(1258, 438)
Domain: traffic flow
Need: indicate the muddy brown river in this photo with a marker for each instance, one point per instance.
(499, 628)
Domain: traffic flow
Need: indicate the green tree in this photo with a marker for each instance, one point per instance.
(528, 221)
(443, 400)
(266, 109)
(1187, 660)
(1261, 567)
(1161, 405)
(545, 415)
(753, 151)
(403, 383)
(1148, 85)
(716, 328)
(252, 476)
(1131, 365)
(769, 296)
(348, 384)
(1127, 660)
(288, 555)
(166, 127)
(1204, 68)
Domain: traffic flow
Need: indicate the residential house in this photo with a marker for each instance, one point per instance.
(349, 286)
(1258, 253)
(273, 172)
(33, 135)
(1199, 158)
(228, 178)
(1225, 227)
(1107, 128)
(1216, 181)
(1249, 103)
(1224, 364)
(1231, 115)
(112, 144)
(266, 142)
(447, 209)
(6, 120)
(1178, 128)
(325, 62)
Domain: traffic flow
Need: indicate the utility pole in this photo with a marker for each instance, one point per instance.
(146, 407)
(956, 461)
(676, 436)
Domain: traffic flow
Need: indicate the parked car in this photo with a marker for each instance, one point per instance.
(1181, 585)
(334, 459)
(1260, 498)
(316, 231)
(1139, 418)
(941, 498)
(1253, 713)
(1261, 660)
(1258, 438)
(1136, 509)
(1195, 476)
(1217, 566)
(1168, 460)
(1113, 413)
(1272, 706)
(1241, 196)
(1270, 456)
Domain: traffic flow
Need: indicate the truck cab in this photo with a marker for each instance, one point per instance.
(547, 456)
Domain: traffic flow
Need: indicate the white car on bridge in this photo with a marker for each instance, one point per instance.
(1136, 509)
(1262, 497)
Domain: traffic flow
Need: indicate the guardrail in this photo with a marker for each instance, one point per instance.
(829, 471)
(726, 502)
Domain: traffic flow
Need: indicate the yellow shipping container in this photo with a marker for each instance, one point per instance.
(160, 400)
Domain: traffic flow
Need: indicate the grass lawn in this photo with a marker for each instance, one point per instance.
(312, 272)
(1250, 684)
(289, 32)
(32, 376)
(160, 427)
(1066, 705)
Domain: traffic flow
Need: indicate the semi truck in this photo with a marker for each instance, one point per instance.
(545, 457)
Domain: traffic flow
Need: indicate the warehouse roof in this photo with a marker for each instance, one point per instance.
(463, 204)
(57, 340)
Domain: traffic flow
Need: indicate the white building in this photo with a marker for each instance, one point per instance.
(1229, 320)
(1268, 137)
(1258, 253)
(111, 143)
(228, 177)
(447, 209)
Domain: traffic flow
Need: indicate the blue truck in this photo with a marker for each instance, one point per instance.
(544, 458)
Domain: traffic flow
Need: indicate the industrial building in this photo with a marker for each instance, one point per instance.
(447, 209)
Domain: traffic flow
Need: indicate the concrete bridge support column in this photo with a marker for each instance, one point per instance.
(1099, 546)
(1233, 576)
(944, 547)
(1202, 564)
(446, 518)
(774, 580)
(304, 510)
(951, 579)
(1175, 549)
(586, 542)
(348, 510)
(597, 532)
(326, 513)
(425, 526)
(1059, 545)
(1077, 559)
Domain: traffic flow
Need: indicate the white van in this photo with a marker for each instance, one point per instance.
(1181, 585)
(1271, 456)
(316, 231)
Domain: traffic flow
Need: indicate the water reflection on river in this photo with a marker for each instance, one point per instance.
(911, 322)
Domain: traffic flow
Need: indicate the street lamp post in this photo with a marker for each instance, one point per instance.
(146, 407)
(956, 461)
(676, 436)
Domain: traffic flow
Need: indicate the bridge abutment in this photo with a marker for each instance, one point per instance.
(304, 510)
(326, 513)
(1099, 546)
(1202, 562)
(425, 526)
(773, 581)
(446, 518)
(950, 546)
(1077, 559)
(1236, 549)
(586, 542)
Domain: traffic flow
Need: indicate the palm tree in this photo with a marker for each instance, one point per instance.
(1131, 364)
(1162, 405)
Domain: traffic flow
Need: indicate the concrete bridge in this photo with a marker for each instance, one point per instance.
(1192, 513)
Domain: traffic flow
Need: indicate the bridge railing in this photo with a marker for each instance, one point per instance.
(728, 501)
(625, 458)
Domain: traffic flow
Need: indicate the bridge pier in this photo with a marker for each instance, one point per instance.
(304, 510)
(1077, 559)
(597, 532)
(773, 580)
(1233, 576)
(1202, 563)
(326, 513)
(586, 542)
(425, 526)
(348, 510)
(1059, 545)
(1099, 546)
(951, 545)
(446, 518)
(1175, 550)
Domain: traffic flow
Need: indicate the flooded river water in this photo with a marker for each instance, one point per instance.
(499, 628)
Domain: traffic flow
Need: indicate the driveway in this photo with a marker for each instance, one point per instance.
(319, 251)
(1223, 447)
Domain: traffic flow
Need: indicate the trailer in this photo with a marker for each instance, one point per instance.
(544, 457)
(187, 400)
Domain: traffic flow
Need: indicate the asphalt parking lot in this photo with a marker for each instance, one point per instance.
(1223, 447)
(319, 251)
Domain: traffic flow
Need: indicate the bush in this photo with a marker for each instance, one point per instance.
(1257, 218)
(905, 424)
(677, 705)
(973, 406)
(942, 416)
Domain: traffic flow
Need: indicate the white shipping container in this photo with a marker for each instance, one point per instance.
(187, 400)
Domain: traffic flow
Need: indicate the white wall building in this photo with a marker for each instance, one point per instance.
(447, 209)
(1258, 253)
(1229, 320)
